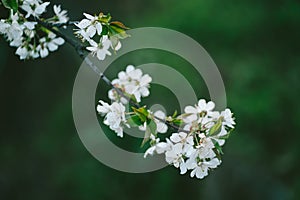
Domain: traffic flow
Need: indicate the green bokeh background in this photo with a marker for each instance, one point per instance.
(254, 43)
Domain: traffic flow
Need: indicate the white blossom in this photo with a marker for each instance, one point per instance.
(61, 15)
(114, 116)
(12, 30)
(34, 7)
(133, 82)
(158, 147)
(227, 118)
(202, 109)
(89, 27)
(49, 43)
(100, 49)
(201, 169)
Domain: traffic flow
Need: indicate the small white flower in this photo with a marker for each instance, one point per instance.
(23, 53)
(133, 82)
(12, 30)
(227, 118)
(60, 14)
(201, 110)
(89, 27)
(101, 49)
(34, 8)
(16, 42)
(30, 25)
(49, 43)
(158, 147)
(42, 48)
(114, 116)
(182, 137)
(54, 42)
(3, 26)
(175, 155)
(201, 170)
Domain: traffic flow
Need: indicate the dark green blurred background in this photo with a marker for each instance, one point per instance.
(254, 43)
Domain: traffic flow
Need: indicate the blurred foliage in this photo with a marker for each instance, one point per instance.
(256, 47)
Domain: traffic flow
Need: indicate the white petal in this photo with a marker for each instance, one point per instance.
(135, 74)
(88, 16)
(190, 109)
(59, 41)
(144, 91)
(175, 137)
(98, 27)
(44, 52)
(145, 80)
(91, 31)
(160, 114)
(129, 68)
(210, 105)
(52, 46)
(83, 23)
(162, 128)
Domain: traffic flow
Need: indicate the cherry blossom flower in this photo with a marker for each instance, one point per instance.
(60, 15)
(114, 116)
(89, 27)
(101, 49)
(199, 111)
(133, 82)
(158, 147)
(201, 169)
(34, 7)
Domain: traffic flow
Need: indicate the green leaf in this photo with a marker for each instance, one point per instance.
(150, 129)
(153, 127)
(174, 114)
(119, 25)
(142, 113)
(11, 4)
(218, 149)
(104, 30)
(117, 30)
(215, 129)
(134, 121)
(178, 122)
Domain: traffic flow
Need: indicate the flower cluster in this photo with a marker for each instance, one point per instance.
(133, 84)
(100, 34)
(30, 38)
(196, 146)
(114, 116)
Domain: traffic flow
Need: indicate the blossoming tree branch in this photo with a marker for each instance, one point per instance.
(198, 134)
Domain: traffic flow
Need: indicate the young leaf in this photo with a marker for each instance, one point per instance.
(215, 129)
(119, 24)
(152, 126)
(218, 148)
(146, 136)
(134, 121)
(178, 122)
(11, 4)
(142, 113)
(117, 31)
(150, 129)
(174, 114)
